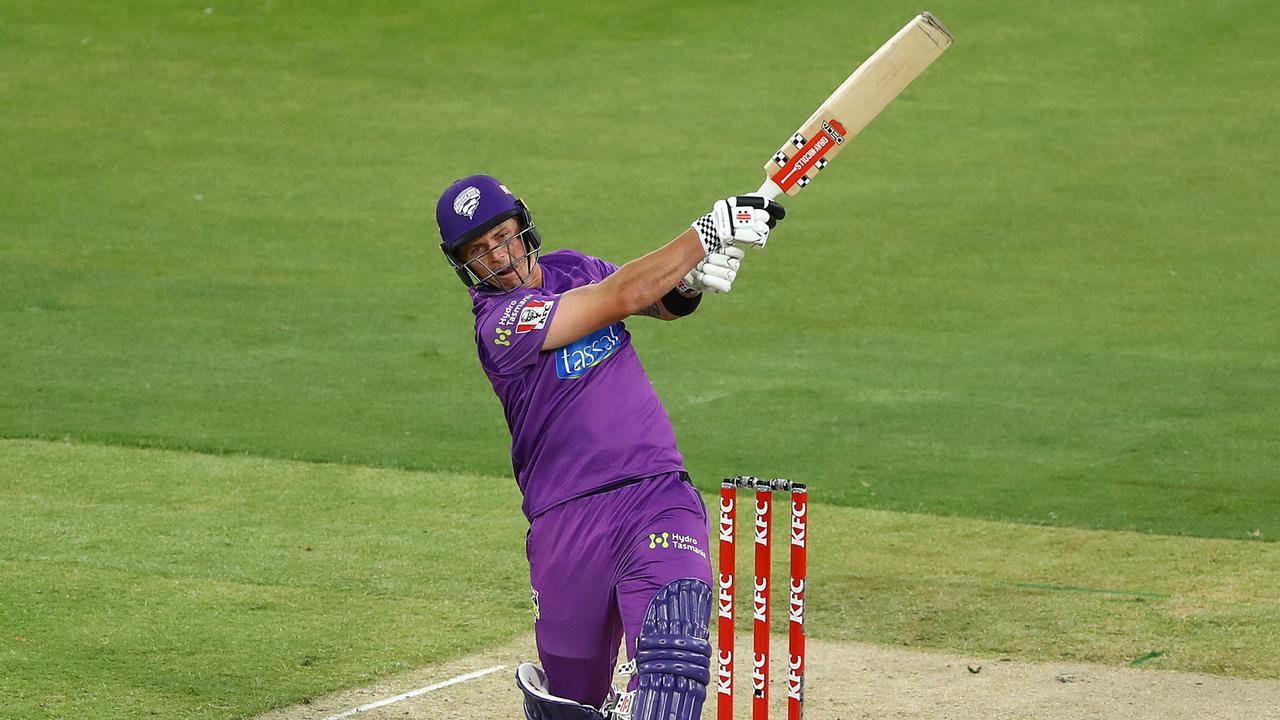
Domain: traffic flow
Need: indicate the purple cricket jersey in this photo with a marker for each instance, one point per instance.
(582, 417)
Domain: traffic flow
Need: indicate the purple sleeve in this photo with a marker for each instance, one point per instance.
(510, 333)
(606, 268)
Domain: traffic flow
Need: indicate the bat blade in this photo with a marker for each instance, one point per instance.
(854, 104)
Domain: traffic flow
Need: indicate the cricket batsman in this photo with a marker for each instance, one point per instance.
(618, 540)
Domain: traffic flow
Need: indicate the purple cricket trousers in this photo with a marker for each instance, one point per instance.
(596, 562)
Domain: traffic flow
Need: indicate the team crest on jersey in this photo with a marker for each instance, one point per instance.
(575, 359)
(534, 315)
(467, 201)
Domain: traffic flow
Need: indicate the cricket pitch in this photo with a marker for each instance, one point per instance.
(854, 681)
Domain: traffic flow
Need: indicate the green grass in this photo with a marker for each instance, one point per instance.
(998, 589)
(186, 585)
(181, 585)
(1038, 288)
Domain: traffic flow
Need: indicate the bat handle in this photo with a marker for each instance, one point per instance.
(769, 189)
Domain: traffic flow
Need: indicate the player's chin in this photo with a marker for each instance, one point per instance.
(508, 279)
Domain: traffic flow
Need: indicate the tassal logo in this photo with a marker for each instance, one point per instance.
(575, 359)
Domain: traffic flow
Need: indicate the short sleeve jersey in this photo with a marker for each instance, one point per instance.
(582, 417)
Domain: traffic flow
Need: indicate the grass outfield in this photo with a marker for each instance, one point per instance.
(146, 582)
(1037, 291)
(1039, 288)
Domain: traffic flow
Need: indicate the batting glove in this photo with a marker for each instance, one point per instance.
(738, 220)
(714, 273)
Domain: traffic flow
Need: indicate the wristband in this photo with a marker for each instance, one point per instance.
(679, 304)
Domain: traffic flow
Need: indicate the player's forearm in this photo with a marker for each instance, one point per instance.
(641, 283)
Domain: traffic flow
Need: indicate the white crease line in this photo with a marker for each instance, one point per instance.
(415, 693)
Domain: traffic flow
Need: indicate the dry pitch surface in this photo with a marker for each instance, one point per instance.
(850, 681)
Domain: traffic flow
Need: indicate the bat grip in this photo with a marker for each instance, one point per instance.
(769, 189)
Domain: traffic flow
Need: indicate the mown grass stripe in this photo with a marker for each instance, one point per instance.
(1100, 591)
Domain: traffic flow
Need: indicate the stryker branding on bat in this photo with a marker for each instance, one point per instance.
(854, 104)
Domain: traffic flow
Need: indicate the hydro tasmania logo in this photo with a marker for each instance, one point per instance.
(575, 359)
(676, 540)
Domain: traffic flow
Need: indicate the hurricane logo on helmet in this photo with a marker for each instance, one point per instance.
(467, 202)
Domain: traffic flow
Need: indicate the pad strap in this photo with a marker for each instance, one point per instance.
(679, 655)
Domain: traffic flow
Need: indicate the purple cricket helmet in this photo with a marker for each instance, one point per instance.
(472, 206)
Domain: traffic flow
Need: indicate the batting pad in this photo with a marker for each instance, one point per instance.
(673, 656)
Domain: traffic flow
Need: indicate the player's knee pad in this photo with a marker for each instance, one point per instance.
(673, 655)
(540, 704)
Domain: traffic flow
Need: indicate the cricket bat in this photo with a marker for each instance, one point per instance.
(854, 104)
